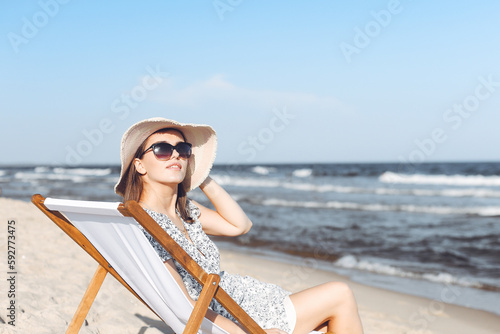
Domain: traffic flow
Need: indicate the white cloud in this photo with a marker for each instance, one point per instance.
(244, 119)
(218, 94)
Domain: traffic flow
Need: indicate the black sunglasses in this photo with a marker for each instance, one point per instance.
(163, 151)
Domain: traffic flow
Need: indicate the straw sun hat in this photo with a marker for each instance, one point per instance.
(202, 137)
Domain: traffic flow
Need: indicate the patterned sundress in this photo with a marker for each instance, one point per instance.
(264, 302)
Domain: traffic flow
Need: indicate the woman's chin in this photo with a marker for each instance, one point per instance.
(172, 181)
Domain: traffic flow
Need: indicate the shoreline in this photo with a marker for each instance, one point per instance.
(410, 313)
(464, 296)
(55, 272)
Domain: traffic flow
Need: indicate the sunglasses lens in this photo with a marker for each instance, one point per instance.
(163, 151)
(184, 150)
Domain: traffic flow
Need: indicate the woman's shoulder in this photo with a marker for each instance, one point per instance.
(192, 209)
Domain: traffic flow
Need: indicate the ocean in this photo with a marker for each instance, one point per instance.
(431, 230)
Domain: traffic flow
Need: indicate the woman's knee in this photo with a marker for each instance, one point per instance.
(341, 291)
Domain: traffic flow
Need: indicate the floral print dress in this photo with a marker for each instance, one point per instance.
(264, 302)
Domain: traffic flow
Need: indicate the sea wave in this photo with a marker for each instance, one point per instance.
(83, 171)
(304, 172)
(450, 180)
(486, 211)
(352, 262)
(261, 170)
(225, 180)
(265, 170)
(77, 175)
(475, 192)
(42, 169)
(321, 188)
(31, 176)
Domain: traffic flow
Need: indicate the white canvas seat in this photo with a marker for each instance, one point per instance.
(123, 244)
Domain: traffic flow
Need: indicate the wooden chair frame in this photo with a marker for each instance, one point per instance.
(210, 282)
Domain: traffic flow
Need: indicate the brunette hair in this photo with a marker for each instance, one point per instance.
(134, 184)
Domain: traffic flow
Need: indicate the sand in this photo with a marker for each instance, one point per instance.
(52, 273)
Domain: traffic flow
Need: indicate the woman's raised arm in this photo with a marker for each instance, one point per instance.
(228, 219)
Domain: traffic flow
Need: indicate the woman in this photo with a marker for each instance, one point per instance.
(161, 161)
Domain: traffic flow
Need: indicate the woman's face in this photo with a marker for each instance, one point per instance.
(169, 172)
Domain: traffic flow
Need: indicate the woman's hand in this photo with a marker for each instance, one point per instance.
(228, 219)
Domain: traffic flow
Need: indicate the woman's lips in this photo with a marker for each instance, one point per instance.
(174, 166)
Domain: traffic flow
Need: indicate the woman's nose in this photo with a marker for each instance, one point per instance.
(175, 154)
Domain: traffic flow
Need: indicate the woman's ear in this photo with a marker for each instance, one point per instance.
(139, 167)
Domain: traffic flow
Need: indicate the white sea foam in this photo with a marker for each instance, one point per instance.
(2, 172)
(469, 192)
(450, 180)
(305, 186)
(441, 210)
(83, 171)
(77, 175)
(263, 170)
(305, 172)
(31, 176)
(42, 169)
(351, 262)
(226, 180)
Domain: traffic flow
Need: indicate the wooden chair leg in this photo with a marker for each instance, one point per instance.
(88, 298)
(200, 309)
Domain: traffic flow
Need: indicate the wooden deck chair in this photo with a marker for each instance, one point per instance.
(109, 232)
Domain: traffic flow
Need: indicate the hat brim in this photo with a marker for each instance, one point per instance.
(204, 146)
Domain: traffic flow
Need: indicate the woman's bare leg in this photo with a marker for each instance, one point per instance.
(331, 303)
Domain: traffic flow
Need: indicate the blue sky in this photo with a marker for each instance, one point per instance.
(282, 81)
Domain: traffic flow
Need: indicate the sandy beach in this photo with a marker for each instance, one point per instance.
(52, 273)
